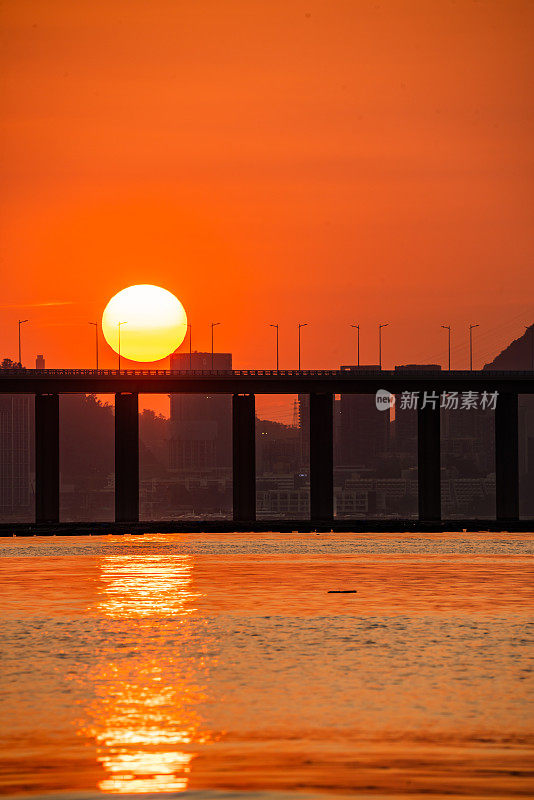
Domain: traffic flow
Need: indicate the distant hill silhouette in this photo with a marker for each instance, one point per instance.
(87, 436)
(519, 354)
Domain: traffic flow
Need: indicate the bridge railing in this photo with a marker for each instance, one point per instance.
(169, 373)
(258, 373)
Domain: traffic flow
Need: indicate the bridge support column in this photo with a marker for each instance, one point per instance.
(321, 457)
(244, 457)
(507, 457)
(47, 458)
(126, 457)
(429, 463)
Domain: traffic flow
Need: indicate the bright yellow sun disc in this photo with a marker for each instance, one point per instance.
(153, 323)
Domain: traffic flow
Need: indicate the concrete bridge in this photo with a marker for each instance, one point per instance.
(243, 385)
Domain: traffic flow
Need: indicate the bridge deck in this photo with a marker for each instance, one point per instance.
(20, 381)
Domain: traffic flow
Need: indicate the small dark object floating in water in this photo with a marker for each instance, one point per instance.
(342, 591)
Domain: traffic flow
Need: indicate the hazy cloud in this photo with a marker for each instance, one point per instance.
(38, 305)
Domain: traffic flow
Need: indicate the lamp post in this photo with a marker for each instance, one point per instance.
(301, 325)
(21, 322)
(96, 340)
(119, 324)
(190, 347)
(213, 324)
(471, 344)
(383, 325)
(358, 327)
(272, 325)
(448, 328)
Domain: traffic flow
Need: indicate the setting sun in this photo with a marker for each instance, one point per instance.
(152, 322)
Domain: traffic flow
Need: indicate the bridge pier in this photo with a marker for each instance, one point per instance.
(507, 457)
(321, 457)
(47, 458)
(244, 457)
(126, 457)
(429, 463)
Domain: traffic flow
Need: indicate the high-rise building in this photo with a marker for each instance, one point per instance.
(360, 429)
(363, 430)
(200, 361)
(405, 423)
(201, 425)
(303, 416)
(40, 362)
(15, 448)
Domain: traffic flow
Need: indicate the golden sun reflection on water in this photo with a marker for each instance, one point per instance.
(146, 586)
(144, 716)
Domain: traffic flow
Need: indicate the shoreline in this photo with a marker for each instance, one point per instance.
(16, 529)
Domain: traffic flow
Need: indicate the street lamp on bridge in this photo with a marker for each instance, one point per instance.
(476, 325)
(273, 325)
(96, 340)
(448, 328)
(301, 325)
(383, 325)
(21, 322)
(190, 346)
(119, 324)
(358, 352)
(213, 324)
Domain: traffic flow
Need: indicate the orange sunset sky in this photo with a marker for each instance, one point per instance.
(323, 161)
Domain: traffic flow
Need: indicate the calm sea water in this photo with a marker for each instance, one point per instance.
(222, 666)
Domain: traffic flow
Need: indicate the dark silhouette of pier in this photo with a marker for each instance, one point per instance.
(243, 385)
